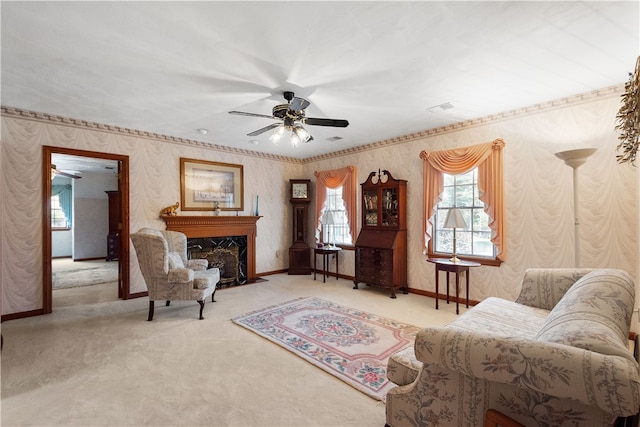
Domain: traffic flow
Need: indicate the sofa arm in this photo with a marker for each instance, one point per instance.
(180, 275)
(544, 287)
(198, 264)
(611, 383)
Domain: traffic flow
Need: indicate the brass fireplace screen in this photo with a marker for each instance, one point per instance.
(224, 259)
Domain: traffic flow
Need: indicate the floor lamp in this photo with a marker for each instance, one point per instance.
(574, 159)
(454, 220)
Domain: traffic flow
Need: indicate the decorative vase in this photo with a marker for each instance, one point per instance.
(257, 211)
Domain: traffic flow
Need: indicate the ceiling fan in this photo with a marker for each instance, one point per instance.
(291, 116)
(55, 172)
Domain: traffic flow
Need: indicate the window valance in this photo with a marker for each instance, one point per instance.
(487, 158)
(346, 178)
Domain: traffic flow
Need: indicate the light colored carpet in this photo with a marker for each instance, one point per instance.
(96, 361)
(350, 344)
(70, 274)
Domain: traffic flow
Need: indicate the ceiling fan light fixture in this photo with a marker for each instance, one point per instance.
(276, 136)
(292, 115)
(301, 133)
(295, 140)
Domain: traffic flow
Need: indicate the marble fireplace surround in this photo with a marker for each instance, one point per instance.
(217, 227)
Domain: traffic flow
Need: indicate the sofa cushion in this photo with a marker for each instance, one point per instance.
(500, 317)
(595, 314)
(175, 261)
(495, 316)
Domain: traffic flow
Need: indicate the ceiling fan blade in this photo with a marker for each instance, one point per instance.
(298, 104)
(242, 113)
(68, 175)
(327, 122)
(264, 129)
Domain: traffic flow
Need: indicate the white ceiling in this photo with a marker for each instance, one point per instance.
(173, 67)
(75, 165)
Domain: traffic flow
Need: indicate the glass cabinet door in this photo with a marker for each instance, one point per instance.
(390, 207)
(370, 208)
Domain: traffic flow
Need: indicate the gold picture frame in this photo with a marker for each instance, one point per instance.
(209, 186)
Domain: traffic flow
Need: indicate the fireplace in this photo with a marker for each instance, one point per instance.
(228, 253)
(236, 233)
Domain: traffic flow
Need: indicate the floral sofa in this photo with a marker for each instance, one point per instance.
(557, 356)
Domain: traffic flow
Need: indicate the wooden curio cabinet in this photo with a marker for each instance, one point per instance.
(381, 247)
(113, 238)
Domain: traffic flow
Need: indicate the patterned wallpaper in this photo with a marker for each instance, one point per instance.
(539, 196)
(154, 184)
(538, 192)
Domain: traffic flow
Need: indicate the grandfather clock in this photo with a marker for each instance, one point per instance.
(300, 252)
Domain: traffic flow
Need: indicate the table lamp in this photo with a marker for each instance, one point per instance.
(454, 220)
(328, 220)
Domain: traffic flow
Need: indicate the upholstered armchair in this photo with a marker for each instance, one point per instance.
(169, 275)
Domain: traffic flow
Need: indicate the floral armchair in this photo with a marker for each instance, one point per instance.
(169, 275)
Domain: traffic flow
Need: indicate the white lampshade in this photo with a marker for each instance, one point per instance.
(328, 219)
(295, 140)
(454, 219)
(301, 133)
(277, 134)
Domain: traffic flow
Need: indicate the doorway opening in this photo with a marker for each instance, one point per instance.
(115, 238)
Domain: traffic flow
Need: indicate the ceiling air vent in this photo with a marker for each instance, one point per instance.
(441, 107)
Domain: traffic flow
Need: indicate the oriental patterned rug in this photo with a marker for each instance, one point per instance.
(350, 344)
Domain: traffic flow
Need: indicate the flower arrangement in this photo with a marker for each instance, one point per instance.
(628, 119)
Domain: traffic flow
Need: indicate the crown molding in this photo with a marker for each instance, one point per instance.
(610, 91)
(568, 101)
(84, 124)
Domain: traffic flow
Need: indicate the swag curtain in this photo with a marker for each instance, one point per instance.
(65, 197)
(487, 158)
(346, 178)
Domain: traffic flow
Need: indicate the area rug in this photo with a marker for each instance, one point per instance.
(350, 344)
(82, 276)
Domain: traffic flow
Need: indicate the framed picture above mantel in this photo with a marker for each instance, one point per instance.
(209, 186)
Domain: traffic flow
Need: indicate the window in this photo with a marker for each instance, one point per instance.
(336, 191)
(58, 218)
(461, 191)
(335, 230)
(485, 182)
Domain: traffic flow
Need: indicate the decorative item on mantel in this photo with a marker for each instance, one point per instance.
(628, 119)
(170, 210)
(217, 210)
(257, 210)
